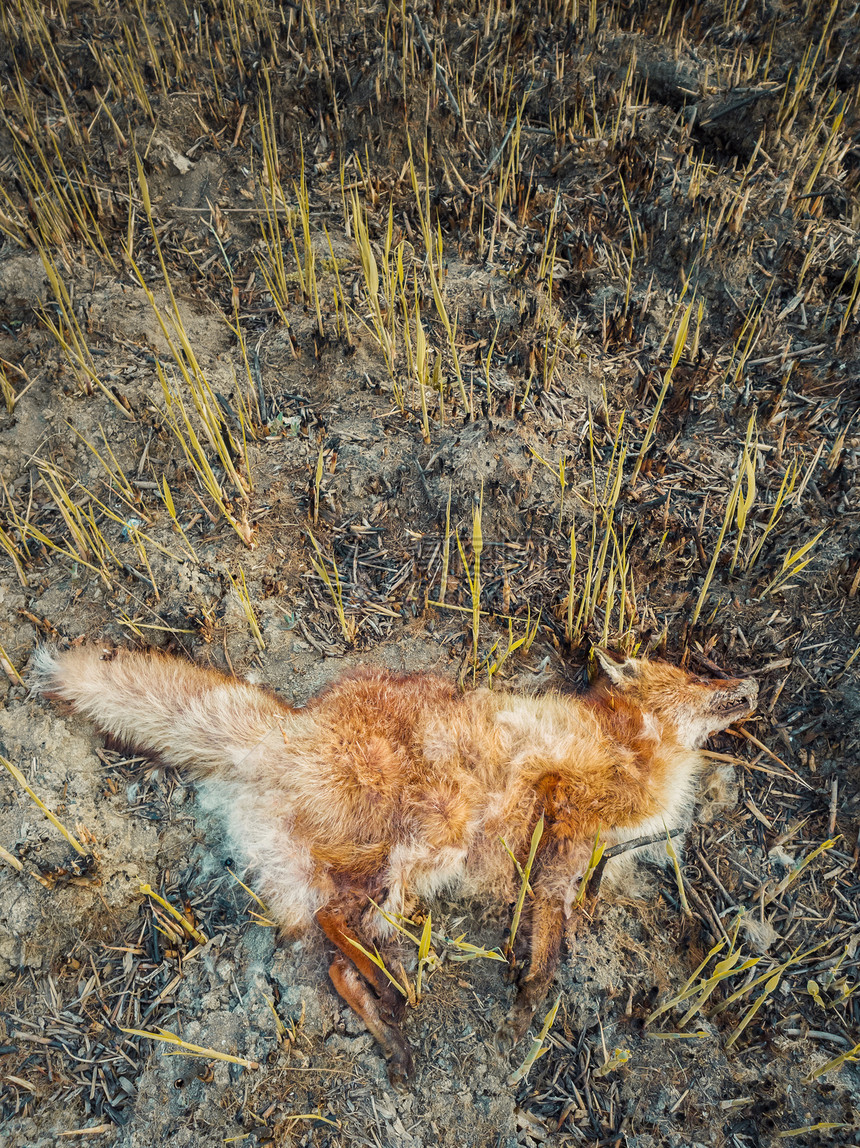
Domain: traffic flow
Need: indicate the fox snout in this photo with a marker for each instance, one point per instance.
(750, 692)
(740, 693)
(714, 705)
(729, 701)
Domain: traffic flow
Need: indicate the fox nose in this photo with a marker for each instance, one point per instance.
(748, 689)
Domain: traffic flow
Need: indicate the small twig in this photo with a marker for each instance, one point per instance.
(784, 355)
(440, 71)
(834, 797)
(707, 914)
(759, 745)
(712, 666)
(623, 847)
(501, 147)
(423, 478)
(499, 151)
(258, 379)
(715, 879)
(734, 106)
(240, 124)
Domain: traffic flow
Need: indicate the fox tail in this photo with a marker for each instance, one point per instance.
(194, 718)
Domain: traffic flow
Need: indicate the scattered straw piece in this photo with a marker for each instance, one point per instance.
(95, 1130)
(619, 1057)
(183, 1046)
(19, 777)
(672, 854)
(537, 1049)
(518, 908)
(821, 1126)
(849, 1057)
(699, 1034)
(314, 1116)
(186, 925)
(11, 859)
(249, 891)
(21, 1083)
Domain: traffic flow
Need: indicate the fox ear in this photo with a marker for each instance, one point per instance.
(620, 670)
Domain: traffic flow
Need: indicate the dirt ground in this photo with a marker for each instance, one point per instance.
(632, 234)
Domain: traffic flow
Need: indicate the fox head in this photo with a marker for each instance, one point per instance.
(695, 707)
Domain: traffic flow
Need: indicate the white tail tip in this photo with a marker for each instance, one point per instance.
(44, 669)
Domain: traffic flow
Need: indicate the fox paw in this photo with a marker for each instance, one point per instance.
(515, 1025)
(400, 1068)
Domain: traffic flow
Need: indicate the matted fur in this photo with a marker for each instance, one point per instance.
(393, 787)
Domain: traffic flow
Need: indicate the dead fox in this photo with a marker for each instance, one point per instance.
(391, 788)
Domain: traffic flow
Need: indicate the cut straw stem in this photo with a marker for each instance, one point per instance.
(55, 821)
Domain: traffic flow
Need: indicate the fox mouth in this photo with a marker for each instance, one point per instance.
(731, 704)
(737, 704)
(725, 709)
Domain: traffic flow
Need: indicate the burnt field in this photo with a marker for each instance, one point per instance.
(453, 338)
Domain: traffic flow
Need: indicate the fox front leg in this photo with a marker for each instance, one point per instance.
(547, 930)
(563, 858)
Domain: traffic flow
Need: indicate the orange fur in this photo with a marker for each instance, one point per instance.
(393, 788)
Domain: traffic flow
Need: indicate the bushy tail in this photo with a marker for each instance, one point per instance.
(195, 718)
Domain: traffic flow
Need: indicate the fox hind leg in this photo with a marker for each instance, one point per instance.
(335, 924)
(364, 987)
(354, 990)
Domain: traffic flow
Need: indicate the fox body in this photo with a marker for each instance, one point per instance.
(390, 788)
